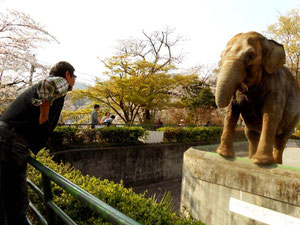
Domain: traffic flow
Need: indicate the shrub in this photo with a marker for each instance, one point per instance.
(61, 134)
(187, 134)
(296, 133)
(121, 135)
(105, 135)
(87, 135)
(137, 206)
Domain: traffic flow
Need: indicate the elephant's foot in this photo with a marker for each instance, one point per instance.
(262, 158)
(225, 151)
(251, 153)
(277, 155)
(278, 161)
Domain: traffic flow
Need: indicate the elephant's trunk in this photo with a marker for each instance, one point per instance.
(230, 78)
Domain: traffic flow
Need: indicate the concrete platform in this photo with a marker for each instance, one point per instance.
(291, 154)
(218, 190)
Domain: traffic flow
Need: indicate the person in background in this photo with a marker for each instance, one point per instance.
(207, 124)
(94, 116)
(159, 124)
(26, 125)
(181, 123)
(109, 121)
(105, 117)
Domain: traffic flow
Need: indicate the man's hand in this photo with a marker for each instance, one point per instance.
(40, 137)
(44, 112)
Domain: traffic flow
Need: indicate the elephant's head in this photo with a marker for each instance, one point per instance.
(246, 58)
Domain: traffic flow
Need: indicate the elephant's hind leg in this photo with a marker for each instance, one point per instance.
(281, 140)
(279, 145)
(253, 138)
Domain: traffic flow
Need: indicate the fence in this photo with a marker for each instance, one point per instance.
(52, 210)
(145, 126)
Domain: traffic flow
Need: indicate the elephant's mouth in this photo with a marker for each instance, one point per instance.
(243, 88)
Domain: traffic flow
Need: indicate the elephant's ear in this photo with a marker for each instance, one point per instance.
(274, 56)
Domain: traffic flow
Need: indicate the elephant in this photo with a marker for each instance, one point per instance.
(254, 84)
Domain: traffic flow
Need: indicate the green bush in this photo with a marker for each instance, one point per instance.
(188, 134)
(105, 135)
(61, 134)
(137, 206)
(87, 135)
(121, 135)
(296, 133)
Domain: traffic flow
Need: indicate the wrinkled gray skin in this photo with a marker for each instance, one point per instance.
(254, 83)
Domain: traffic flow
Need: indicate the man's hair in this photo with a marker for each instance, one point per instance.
(60, 69)
(113, 116)
(107, 113)
(96, 106)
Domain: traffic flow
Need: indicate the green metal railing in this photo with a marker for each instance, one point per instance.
(107, 212)
(145, 126)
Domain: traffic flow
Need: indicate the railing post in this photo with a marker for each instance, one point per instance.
(48, 197)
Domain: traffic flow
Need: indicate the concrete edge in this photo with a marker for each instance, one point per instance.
(273, 181)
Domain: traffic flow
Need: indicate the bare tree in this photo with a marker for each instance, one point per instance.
(157, 48)
(206, 72)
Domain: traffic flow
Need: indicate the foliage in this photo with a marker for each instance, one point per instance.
(199, 95)
(121, 135)
(87, 135)
(142, 77)
(63, 133)
(134, 89)
(296, 134)
(81, 114)
(124, 136)
(187, 134)
(20, 35)
(105, 135)
(174, 115)
(7, 95)
(207, 74)
(200, 102)
(137, 206)
(287, 32)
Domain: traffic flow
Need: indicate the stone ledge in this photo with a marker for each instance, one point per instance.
(282, 182)
(210, 181)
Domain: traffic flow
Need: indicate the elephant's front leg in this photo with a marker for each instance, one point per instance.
(253, 138)
(230, 121)
(264, 153)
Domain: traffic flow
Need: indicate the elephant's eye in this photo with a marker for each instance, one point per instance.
(249, 57)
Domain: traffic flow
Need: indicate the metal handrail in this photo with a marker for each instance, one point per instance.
(109, 213)
(145, 126)
(132, 125)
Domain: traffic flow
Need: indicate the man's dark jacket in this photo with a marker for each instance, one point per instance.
(23, 117)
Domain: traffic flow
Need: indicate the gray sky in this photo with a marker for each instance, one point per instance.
(90, 29)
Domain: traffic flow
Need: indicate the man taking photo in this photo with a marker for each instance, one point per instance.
(26, 124)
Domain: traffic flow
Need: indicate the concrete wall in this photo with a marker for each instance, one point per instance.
(135, 165)
(154, 137)
(224, 191)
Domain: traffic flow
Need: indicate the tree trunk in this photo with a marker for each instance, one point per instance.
(147, 116)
